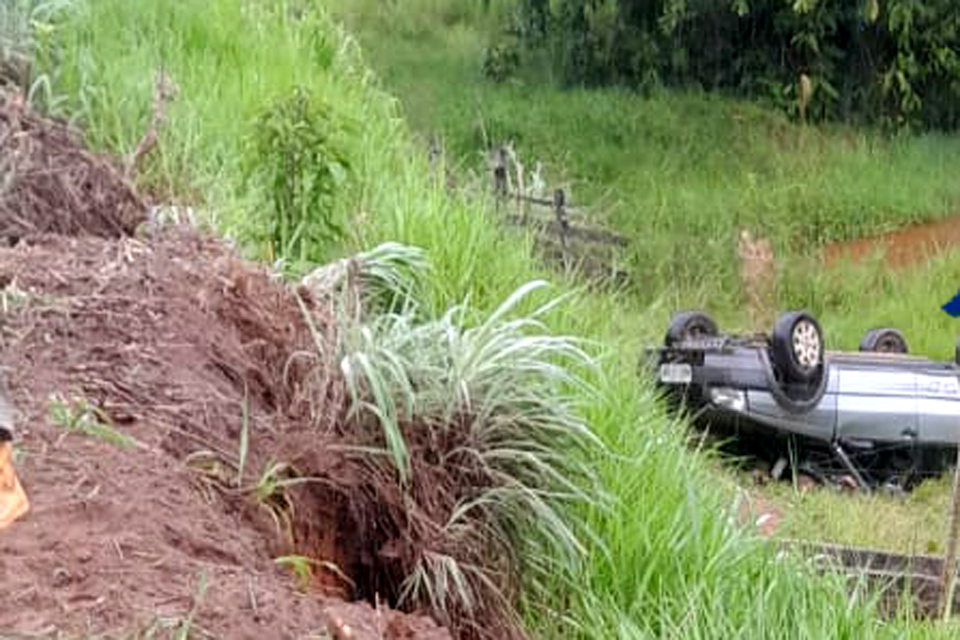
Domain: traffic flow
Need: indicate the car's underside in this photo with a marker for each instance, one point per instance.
(780, 455)
(871, 418)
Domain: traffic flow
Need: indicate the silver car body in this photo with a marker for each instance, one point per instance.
(870, 397)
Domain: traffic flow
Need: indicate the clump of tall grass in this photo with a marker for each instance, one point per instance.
(480, 424)
(385, 278)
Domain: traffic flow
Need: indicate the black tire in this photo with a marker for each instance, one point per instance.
(797, 347)
(690, 324)
(884, 340)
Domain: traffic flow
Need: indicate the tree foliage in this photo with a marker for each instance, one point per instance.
(889, 61)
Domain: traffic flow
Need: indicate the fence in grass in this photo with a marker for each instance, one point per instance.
(564, 235)
(919, 581)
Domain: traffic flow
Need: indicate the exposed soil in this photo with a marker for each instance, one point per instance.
(760, 515)
(901, 248)
(49, 183)
(166, 338)
(136, 364)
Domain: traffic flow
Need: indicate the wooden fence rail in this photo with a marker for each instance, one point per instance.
(566, 223)
(893, 575)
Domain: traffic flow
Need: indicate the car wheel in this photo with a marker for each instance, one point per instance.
(883, 341)
(690, 324)
(797, 346)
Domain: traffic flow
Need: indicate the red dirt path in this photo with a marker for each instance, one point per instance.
(901, 248)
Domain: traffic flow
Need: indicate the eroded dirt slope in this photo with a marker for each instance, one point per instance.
(136, 360)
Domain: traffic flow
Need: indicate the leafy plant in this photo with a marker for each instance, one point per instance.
(296, 161)
(501, 61)
(76, 414)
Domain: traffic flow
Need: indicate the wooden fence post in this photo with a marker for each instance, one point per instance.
(948, 576)
(500, 175)
(559, 210)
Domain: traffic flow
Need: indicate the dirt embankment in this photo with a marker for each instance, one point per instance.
(139, 365)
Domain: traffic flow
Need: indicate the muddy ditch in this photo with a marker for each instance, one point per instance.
(139, 360)
(909, 246)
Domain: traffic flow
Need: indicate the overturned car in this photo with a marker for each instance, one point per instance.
(879, 415)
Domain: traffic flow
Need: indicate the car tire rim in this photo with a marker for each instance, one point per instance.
(696, 331)
(806, 344)
(890, 344)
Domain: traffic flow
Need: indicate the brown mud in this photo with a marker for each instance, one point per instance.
(163, 342)
(901, 248)
(138, 364)
(50, 184)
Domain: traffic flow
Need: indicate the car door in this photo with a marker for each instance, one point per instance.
(938, 406)
(819, 422)
(876, 403)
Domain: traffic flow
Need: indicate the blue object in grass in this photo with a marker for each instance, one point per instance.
(953, 307)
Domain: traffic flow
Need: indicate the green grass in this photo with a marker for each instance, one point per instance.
(679, 173)
(912, 523)
(665, 558)
(851, 300)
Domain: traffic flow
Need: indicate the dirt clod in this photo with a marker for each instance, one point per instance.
(49, 183)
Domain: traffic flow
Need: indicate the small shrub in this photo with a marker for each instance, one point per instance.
(501, 61)
(295, 160)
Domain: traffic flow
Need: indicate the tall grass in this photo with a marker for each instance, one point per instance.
(667, 559)
(232, 62)
(913, 524)
(25, 36)
(497, 403)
